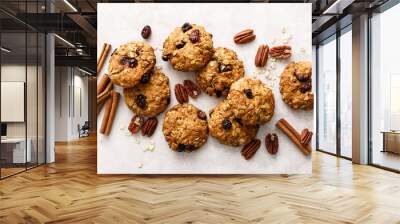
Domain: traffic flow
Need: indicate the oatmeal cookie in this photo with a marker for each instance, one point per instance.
(252, 101)
(185, 128)
(295, 85)
(151, 96)
(188, 48)
(227, 129)
(130, 62)
(222, 70)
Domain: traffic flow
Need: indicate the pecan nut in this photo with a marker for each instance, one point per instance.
(305, 136)
(261, 56)
(272, 143)
(149, 126)
(250, 149)
(181, 93)
(281, 52)
(244, 36)
(192, 89)
(136, 124)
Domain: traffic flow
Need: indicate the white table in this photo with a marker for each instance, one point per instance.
(18, 144)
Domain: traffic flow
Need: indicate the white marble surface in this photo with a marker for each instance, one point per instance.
(121, 153)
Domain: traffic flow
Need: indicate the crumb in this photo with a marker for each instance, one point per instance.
(283, 30)
(302, 50)
(149, 148)
(285, 40)
(137, 141)
(273, 65)
(140, 165)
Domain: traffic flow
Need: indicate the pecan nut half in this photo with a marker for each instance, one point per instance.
(261, 56)
(281, 52)
(272, 143)
(149, 126)
(250, 149)
(244, 36)
(136, 124)
(305, 136)
(181, 93)
(192, 89)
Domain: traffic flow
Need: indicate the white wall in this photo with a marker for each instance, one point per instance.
(70, 84)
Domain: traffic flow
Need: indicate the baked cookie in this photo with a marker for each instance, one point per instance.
(185, 128)
(151, 96)
(222, 70)
(227, 129)
(295, 85)
(252, 101)
(188, 48)
(130, 62)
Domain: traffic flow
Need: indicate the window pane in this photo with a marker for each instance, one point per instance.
(385, 84)
(327, 96)
(346, 94)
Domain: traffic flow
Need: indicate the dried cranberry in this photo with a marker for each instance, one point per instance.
(218, 93)
(180, 45)
(185, 147)
(305, 87)
(145, 78)
(124, 60)
(141, 101)
(186, 27)
(226, 124)
(302, 77)
(238, 120)
(249, 93)
(165, 57)
(194, 36)
(201, 115)
(146, 32)
(132, 62)
(224, 68)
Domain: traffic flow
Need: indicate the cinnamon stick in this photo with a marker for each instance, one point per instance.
(99, 107)
(115, 99)
(103, 97)
(297, 134)
(293, 135)
(103, 84)
(107, 111)
(105, 91)
(103, 55)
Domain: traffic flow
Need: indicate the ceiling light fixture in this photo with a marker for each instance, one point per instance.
(5, 49)
(84, 71)
(337, 7)
(70, 5)
(64, 40)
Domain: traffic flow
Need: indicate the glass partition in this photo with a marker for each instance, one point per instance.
(22, 77)
(346, 92)
(327, 96)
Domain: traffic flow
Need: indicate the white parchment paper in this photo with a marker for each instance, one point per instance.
(274, 24)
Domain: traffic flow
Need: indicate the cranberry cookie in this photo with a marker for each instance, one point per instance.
(251, 101)
(130, 62)
(151, 96)
(295, 85)
(185, 128)
(188, 48)
(227, 129)
(224, 69)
